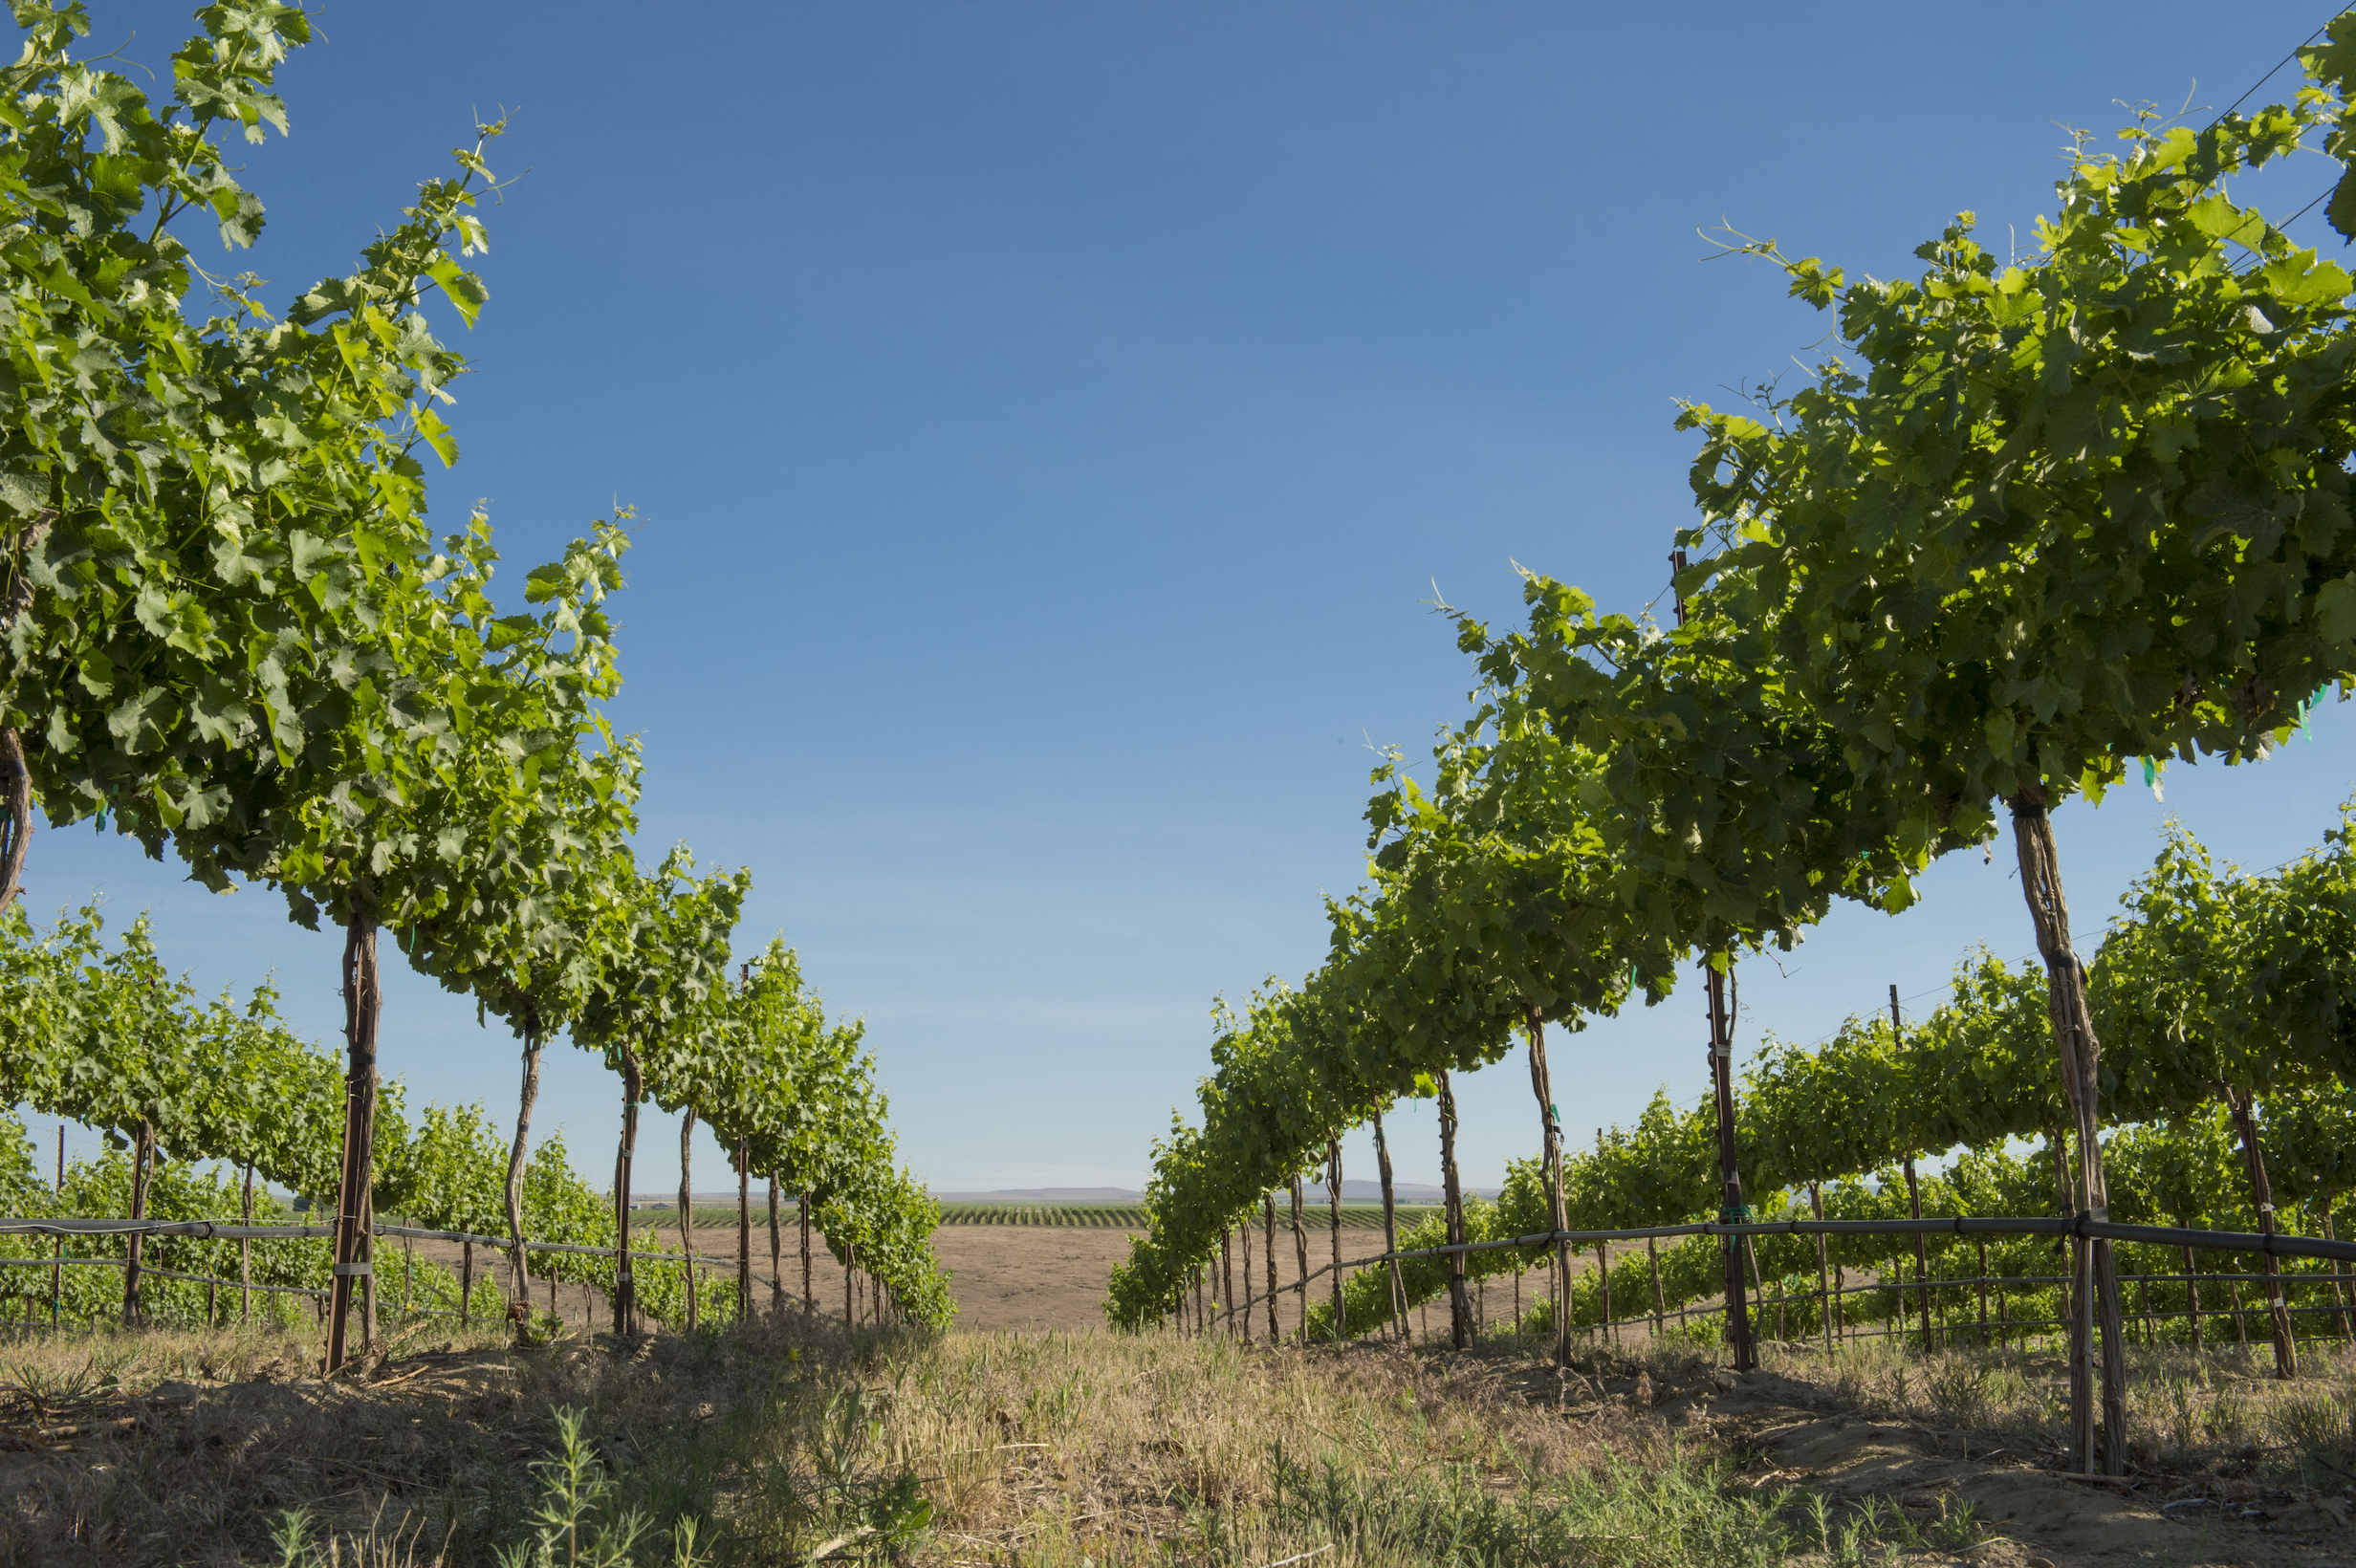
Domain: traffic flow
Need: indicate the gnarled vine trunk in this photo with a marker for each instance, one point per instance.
(1300, 1256)
(1391, 1228)
(1276, 1336)
(1459, 1301)
(686, 1211)
(809, 1291)
(2094, 1273)
(364, 999)
(2261, 1198)
(744, 1233)
(1732, 1209)
(526, 1096)
(16, 796)
(1226, 1276)
(777, 1251)
(1558, 1216)
(1333, 1203)
(15, 778)
(626, 1279)
(142, 1164)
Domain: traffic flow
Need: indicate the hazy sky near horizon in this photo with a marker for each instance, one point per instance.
(1049, 425)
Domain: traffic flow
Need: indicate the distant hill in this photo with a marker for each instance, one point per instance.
(1046, 1194)
(1352, 1193)
(1355, 1191)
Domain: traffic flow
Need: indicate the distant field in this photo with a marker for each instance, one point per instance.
(1110, 1216)
(1132, 1217)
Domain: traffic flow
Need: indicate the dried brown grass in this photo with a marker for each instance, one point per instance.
(170, 1447)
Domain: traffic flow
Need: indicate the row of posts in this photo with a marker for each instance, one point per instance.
(2081, 1299)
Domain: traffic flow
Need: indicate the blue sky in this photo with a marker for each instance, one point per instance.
(1048, 423)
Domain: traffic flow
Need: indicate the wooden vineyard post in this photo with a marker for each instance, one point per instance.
(2191, 1297)
(1759, 1288)
(1732, 1209)
(368, 1280)
(1459, 1304)
(56, 1269)
(1550, 1154)
(808, 1291)
(625, 1277)
(466, 1286)
(1914, 1196)
(776, 1252)
(1660, 1303)
(364, 1000)
(1922, 1264)
(744, 1233)
(1300, 1252)
(2094, 1274)
(1824, 1286)
(143, 1166)
(2064, 1193)
(1390, 1231)
(1269, 1202)
(1602, 1263)
(1333, 1207)
(2339, 1293)
(686, 1219)
(245, 1255)
(850, 1316)
(1983, 1293)
(2261, 1198)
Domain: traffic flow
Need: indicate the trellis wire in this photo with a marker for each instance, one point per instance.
(2083, 1224)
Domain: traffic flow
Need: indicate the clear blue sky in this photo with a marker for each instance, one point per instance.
(1048, 422)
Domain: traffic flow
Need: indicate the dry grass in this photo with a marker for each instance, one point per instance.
(2221, 1414)
(1004, 1449)
(190, 1447)
(1072, 1448)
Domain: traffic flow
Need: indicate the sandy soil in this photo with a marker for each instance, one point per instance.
(1004, 1276)
(1014, 1276)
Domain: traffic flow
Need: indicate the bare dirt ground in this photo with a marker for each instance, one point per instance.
(1005, 1276)
(1009, 1276)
